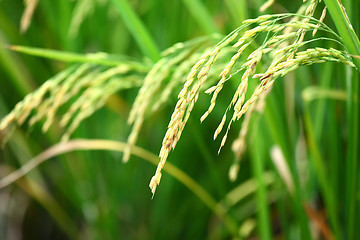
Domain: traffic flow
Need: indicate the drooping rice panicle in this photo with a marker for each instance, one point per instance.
(187, 99)
(95, 97)
(178, 117)
(79, 83)
(285, 57)
(177, 78)
(23, 109)
(153, 82)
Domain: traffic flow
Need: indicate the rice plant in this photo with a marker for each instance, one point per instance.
(283, 97)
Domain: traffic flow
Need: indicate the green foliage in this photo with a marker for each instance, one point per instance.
(94, 70)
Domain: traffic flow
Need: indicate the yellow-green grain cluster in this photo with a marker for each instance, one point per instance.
(160, 82)
(280, 53)
(86, 87)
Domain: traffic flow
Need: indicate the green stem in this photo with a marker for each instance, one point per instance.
(201, 15)
(238, 10)
(99, 144)
(18, 74)
(137, 29)
(96, 58)
(279, 137)
(344, 28)
(320, 169)
(325, 81)
(352, 43)
(261, 193)
(352, 109)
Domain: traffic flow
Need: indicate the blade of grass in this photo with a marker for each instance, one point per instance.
(344, 28)
(137, 29)
(64, 7)
(238, 11)
(352, 43)
(321, 104)
(9, 63)
(335, 150)
(352, 115)
(258, 169)
(316, 93)
(261, 193)
(272, 120)
(319, 166)
(246, 188)
(97, 58)
(201, 15)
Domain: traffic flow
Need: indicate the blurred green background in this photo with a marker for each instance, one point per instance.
(93, 195)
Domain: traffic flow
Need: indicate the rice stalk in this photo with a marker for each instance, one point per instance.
(82, 9)
(85, 86)
(266, 5)
(175, 62)
(30, 6)
(284, 58)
